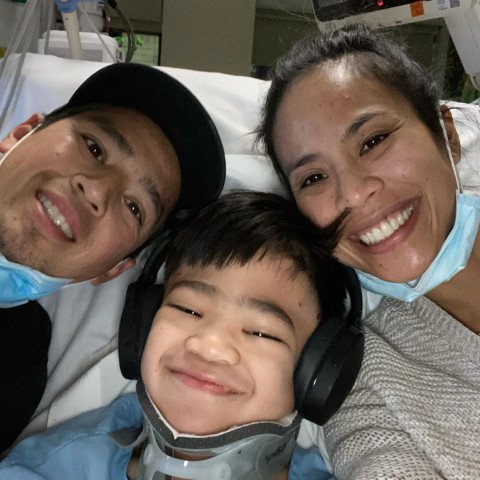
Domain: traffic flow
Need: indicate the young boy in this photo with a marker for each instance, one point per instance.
(246, 283)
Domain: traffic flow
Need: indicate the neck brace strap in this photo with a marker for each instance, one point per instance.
(256, 451)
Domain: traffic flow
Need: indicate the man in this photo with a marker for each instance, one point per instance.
(81, 193)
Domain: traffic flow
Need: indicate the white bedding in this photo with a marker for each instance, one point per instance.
(83, 363)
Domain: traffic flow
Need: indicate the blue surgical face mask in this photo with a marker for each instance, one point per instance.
(453, 255)
(19, 283)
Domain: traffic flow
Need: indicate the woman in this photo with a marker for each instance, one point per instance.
(354, 129)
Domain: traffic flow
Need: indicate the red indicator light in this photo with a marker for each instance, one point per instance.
(380, 3)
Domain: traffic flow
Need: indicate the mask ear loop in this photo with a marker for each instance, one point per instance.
(450, 156)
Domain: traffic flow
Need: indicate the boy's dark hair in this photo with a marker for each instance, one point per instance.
(244, 225)
(370, 54)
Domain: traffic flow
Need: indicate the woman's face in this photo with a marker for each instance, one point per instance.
(350, 145)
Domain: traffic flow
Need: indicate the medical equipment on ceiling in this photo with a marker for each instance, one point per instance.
(462, 18)
(42, 11)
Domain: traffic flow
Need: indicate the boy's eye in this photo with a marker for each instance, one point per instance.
(263, 335)
(95, 148)
(187, 310)
(373, 142)
(315, 178)
(135, 210)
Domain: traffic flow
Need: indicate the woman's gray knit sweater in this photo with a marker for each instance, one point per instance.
(414, 412)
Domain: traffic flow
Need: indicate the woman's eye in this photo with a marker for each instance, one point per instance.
(263, 335)
(95, 148)
(135, 210)
(316, 177)
(187, 310)
(373, 142)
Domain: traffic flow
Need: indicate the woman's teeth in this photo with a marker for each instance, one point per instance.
(55, 216)
(386, 227)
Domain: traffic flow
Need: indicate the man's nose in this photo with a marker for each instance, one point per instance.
(94, 192)
(214, 344)
(356, 188)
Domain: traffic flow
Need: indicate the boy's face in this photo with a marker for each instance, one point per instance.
(223, 346)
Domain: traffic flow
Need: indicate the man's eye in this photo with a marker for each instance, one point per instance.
(316, 177)
(373, 142)
(263, 335)
(187, 310)
(95, 148)
(135, 210)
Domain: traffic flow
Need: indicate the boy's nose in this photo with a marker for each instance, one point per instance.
(213, 346)
(94, 192)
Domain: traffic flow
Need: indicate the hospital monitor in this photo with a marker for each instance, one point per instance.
(462, 18)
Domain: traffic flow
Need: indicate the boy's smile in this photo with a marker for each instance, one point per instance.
(223, 347)
(193, 372)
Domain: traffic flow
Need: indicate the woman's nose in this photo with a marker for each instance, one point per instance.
(213, 344)
(356, 188)
(94, 191)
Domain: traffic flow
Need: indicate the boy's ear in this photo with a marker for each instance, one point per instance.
(114, 272)
(20, 131)
(452, 133)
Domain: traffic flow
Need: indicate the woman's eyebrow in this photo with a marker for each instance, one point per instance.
(358, 123)
(350, 131)
(304, 160)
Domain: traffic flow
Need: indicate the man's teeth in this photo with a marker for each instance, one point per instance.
(386, 227)
(55, 216)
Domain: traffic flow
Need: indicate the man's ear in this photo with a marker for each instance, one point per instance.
(114, 272)
(20, 131)
(452, 133)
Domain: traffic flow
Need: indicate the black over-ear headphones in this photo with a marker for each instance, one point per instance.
(325, 372)
(331, 358)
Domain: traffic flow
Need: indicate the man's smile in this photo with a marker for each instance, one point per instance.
(56, 217)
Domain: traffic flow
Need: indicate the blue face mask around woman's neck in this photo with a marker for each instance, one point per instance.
(19, 283)
(453, 255)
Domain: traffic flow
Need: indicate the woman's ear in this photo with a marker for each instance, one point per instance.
(20, 131)
(452, 134)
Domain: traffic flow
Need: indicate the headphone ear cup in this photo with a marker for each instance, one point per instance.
(327, 369)
(142, 302)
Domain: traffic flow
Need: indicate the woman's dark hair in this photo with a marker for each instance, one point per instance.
(242, 226)
(371, 55)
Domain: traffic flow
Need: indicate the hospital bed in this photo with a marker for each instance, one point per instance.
(83, 362)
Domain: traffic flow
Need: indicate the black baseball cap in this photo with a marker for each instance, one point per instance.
(179, 114)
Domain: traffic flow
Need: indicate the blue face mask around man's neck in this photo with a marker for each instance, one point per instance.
(19, 283)
(452, 258)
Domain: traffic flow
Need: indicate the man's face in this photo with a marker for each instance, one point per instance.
(81, 194)
(224, 344)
